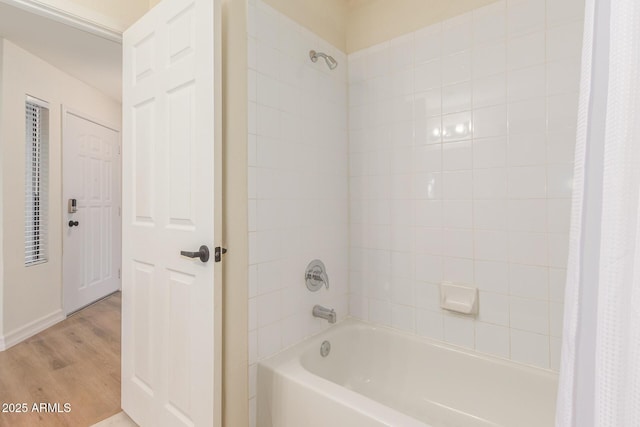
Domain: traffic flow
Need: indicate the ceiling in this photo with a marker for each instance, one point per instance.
(90, 58)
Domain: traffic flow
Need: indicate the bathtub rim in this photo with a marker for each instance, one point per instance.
(312, 341)
(288, 364)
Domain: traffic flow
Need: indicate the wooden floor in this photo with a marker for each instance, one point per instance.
(76, 361)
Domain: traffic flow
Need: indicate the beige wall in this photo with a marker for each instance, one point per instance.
(1, 192)
(326, 18)
(125, 11)
(31, 293)
(235, 381)
(370, 22)
(351, 25)
(114, 14)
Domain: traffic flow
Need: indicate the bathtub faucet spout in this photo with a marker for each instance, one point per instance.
(324, 313)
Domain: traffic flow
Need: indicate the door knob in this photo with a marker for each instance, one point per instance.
(203, 254)
(73, 223)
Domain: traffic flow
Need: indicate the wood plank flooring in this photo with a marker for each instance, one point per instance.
(76, 361)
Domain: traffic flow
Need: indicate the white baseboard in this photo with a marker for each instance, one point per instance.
(30, 329)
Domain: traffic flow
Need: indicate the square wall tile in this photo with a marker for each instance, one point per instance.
(525, 51)
(456, 34)
(526, 83)
(459, 330)
(458, 270)
(527, 149)
(557, 281)
(456, 97)
(490, 121)
(490, 183)
(428, 103)
(428, 75)
(491, 276)
(564, 41)
(460, 150)
(429, 213)
(560, 181)
(489, 59)
(529, 315)
(429, 268)
(457, 127)
(457, 185)
(430, 324)
(492, 339)
(427, 43)
(528, 248)
(493, 308)
(458, 243)
(490, 152)
(490, 245)
(560, 12)
(457, 213)
(403, 318)
(456, 68)
(530, 348)
(380, 312)
(527, 117)
(489, 22)
(490, 214)
(457, 156)
(527, 215)
(525, 16)
(401, 52)
(529, 281)
(489, 90)
(428, 297)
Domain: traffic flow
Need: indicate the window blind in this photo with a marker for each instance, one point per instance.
(36, 182)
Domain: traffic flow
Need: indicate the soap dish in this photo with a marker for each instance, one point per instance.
(458, 298)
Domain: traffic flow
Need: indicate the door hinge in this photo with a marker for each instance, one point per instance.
(119, 211)
(119, 274)
(218, 252)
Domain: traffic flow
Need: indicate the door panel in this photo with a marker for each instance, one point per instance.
(171, 143)
(91, 256)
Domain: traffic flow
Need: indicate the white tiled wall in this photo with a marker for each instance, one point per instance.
(461, 148)
(298, 182)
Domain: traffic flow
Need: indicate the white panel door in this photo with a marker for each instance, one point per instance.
(171, 191)
(91, 237)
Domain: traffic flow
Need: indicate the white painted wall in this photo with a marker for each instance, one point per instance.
(30, 294)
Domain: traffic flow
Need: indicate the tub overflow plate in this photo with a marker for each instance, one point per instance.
(325, 348)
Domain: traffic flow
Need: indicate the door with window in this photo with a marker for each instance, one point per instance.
(91, 201)
(171, 283)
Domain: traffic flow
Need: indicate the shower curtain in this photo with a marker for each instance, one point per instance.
(600, 366)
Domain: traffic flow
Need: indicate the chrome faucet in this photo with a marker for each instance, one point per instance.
(324, 313)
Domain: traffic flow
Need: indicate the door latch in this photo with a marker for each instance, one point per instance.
(203, 253)
(218, 252)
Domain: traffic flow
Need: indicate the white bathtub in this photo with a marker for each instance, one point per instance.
(375, 376)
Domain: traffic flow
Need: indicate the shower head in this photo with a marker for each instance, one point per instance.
(331, 63)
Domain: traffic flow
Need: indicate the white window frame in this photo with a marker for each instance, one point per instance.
(36, 237)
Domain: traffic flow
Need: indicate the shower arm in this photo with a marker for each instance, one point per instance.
(331, 62)
(314, 55)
